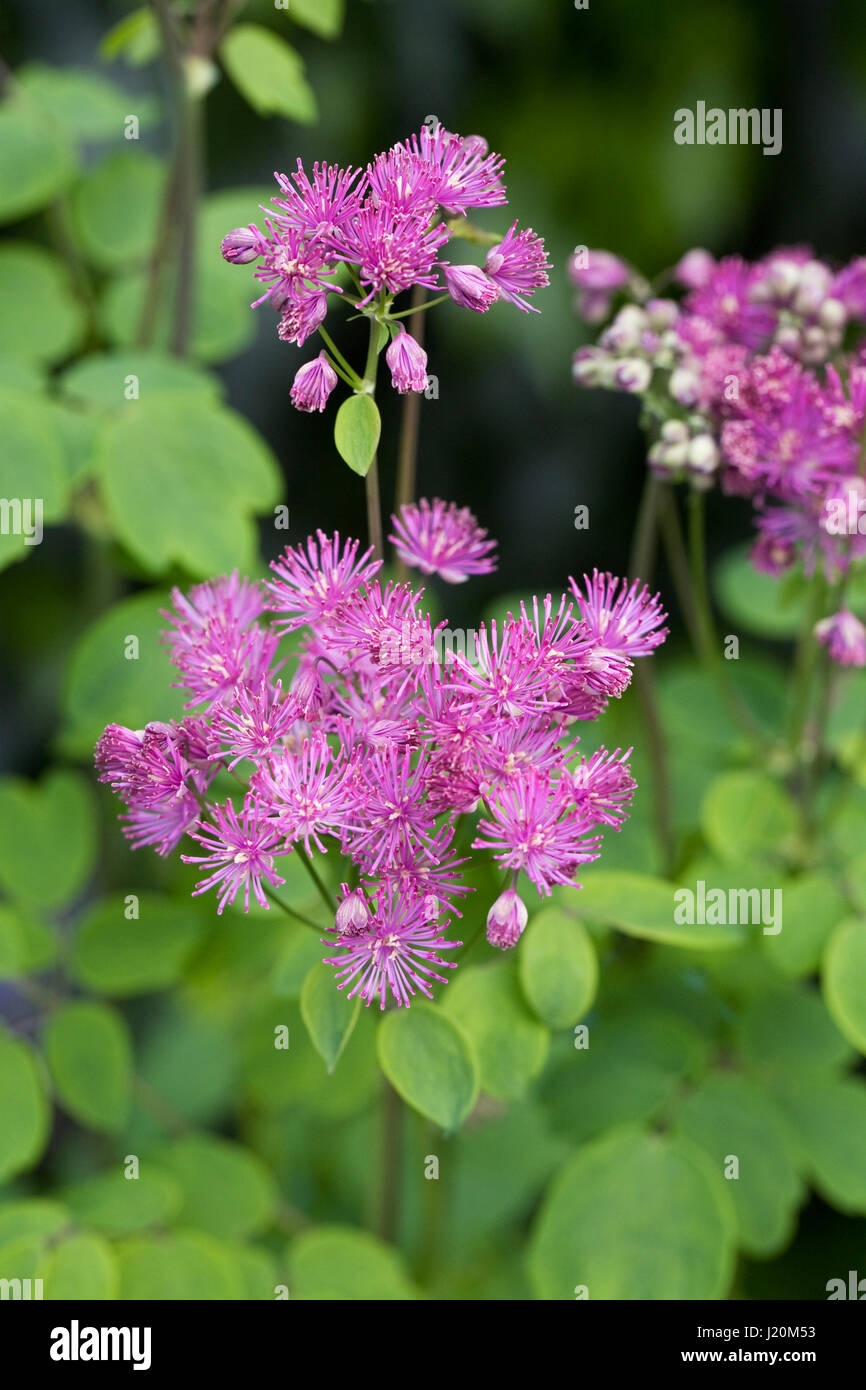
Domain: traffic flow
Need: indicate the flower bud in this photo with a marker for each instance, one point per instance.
(313, 384)
(506, 920)
(633, 374)
(353, 914)
(703, 454)
(469, 287)
(695, 268)
(407, 362)
(240, 246)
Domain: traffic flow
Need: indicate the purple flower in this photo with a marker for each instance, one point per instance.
(392, 817)
(603, 787)
(467, 176)
(322, 207)
(518, 266)
(393, 252)
(303, 310)
(844, 636)
(506, 920)
(308, 792)
(534, 826)
(353, 915)
(240, 853)
(628, 622)
(598, 271)
(313, 384)
(724, 302)
(695, 268)
(256, 722)
(316, 585)
(407, 362)
(440, 538)
(216, 645)
(469, 287)
(399, 954)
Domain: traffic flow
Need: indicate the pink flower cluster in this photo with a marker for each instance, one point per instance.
(380, 232)
(375, 741)
(747, 381)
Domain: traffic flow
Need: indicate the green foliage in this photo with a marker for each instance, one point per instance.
(24, 1109)
(328, 1014)
(558, 968)
(510, 1045)
(47, 837)
(336, 1262)
(356, 432)
(88, 1053)
(268, 72)
(430, 1062)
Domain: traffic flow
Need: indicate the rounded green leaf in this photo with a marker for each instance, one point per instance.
(184, 1265)
(80, 101)
(558, 968)
(811, 907)
(47, 837)
(116, 208)
(227, 1190)
(267, 72)
(510, 1045)
(34, 484)
(24, 1109)
(120, 673)
(223, 322)
(356, 432)
(26, 944)
(102, 380)
(82, 1267)
(730, 1117)
(843, 979)
(343, 1264)
(34, 1216)
(828, 1117)
(789, 1031)
(754, 601)
(182, 480)
(747, 816)
(116, 954)
(430, 1062)
(90, 1059)
(41, 320)
(36, 161)
(117, 1205)
(634, 1216)
(328, 1014)
(301, 951)
(648, 907)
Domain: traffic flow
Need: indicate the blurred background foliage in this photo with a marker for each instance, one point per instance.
(154, 1035)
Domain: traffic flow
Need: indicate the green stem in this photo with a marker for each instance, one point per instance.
(356, 382)
(371, 482)
(407, 456)
(420, 307)
(290, 911)
(709, 648)
(324, 892)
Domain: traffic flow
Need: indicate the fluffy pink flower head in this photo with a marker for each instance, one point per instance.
(603, 787)
(467, 176)
(518, 266)
(316, 585)
(398, 955)
(534, 826)
(629, 622)
(440, 538)
(240, 854)
(597, 271)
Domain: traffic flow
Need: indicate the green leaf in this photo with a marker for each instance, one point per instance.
(643, 906)
(189, 1061)
(754, 601)
(843, 979)
(177, 1267)
(558, 968)
(25, 944)
(634, 1216)
(257, 1271)
(747, 816)
(511, 1045)
(301, 952)
(729, 1116)
(33, 478)
(47, 837)
(110, 679)
(115, 1205)
(828, 1116)
(356, 432)
(135, 38)
(182, 481)
(430, 1062)
(102, 380)
(268, 73)
(339, 1263)
(323, 17)
(812, 906)
(41, 321)
(82, 1267)
(35, 1216)
(116, 208)
(227, 1190)
(630, 1068)
(117, 955)
(88, 1051)
(24, 1109)
(788, 1031)
(81, 102)
(223, 323)
(37, 162)
(328, 1014)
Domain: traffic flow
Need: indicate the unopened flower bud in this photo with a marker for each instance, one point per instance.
(695, 268)
(469, 287)
(313, 384)
(506, 919)
(407, 362)
(684, 385)
(703, 454)
(633, 374)
(240, 246)
(353, 914)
